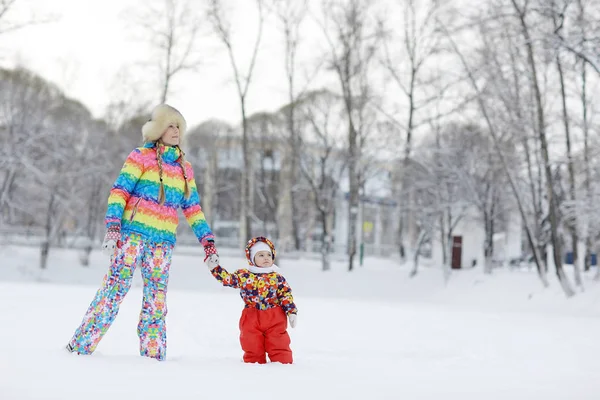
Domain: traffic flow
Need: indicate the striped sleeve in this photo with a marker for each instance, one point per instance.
(193, 212)
(123, 187)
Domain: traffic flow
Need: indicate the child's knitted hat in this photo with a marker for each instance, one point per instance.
(257, 244)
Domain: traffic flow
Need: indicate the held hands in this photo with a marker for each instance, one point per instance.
(212, 262)
(293, 319)
(212, 258)
(111, 238)
(209, 250)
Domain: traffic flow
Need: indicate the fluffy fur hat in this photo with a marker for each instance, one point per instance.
(163, 115)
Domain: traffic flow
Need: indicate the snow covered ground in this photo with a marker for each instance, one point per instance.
(370, 334)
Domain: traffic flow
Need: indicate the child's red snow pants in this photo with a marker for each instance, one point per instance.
(265, 331)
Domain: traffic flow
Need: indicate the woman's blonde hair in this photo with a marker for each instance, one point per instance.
(161, 191)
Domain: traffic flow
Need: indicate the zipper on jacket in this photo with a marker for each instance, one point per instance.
(135, 209)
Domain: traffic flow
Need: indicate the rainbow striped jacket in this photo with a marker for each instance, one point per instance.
(133, 201)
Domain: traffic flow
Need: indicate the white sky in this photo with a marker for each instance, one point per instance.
(93, 51)
(92, 43)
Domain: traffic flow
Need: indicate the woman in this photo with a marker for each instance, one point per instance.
(141, 222)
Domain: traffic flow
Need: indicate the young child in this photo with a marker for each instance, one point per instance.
(267, 300)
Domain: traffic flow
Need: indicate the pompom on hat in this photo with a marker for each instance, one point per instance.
(163, 116)
(257, 244)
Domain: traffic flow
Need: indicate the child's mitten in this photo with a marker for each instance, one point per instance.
(212, 262)
(293, 318)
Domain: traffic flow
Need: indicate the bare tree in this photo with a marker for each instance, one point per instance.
(291, 14)
(455, 174)
(427, 208)
(521, 14)
(352, 33)
(509, 103)
(173, 30)
(557, 12)
(74, 173)
(25, 103)
(56, 158)
(483, 180)
(51, 174)
(585, 127)
(94, 180)
(8, 23)
(437, 190)
(576, 41)
(420, 44)
(486, 113)
(375, 153)
(322, 160)
(451, 188)
(5, 8)
(223, 30)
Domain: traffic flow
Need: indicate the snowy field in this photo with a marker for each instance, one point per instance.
(370, 334)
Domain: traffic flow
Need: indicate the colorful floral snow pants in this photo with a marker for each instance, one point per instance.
(155, 260)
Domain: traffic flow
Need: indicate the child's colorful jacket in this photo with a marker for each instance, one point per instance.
(259, 290)
(133, 202)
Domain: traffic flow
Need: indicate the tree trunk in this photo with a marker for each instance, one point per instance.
(443, 240)
(404, 203)
(245, 210)
(401, 248)
(537, 212)
(325, 241)
(167, 72)
(223, 30)
(353, 200)
(586, 167)
(92, 210)
(163, 95)
(44, 252)
(45, 247)
(586, 148)
(439, 201)
(352, 72)
(449, 233)
(85, 256)
(5, 194)
(293, 160)
(552, 207)
(361, 229)
(293, 201)
(420, 242)
(572, 223)
(489, 242)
